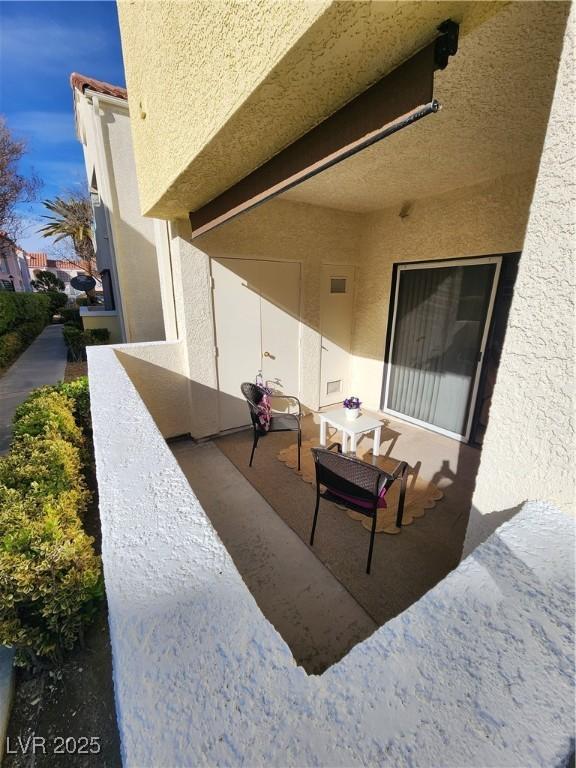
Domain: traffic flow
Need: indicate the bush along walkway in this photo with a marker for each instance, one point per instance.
(52, 610)
(42, 363)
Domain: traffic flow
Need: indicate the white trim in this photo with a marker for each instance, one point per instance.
(105, 190)
(497, 261)
(105, 98)
(89, 312)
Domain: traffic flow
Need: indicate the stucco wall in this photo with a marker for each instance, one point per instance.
(481, 220)
(279, 68)
(158, 371)
(296, 232)
(529, 444)
(476, 221)
(134, 235)
(479, 672)
(102, 319)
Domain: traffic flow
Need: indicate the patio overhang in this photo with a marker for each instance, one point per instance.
(395, 102)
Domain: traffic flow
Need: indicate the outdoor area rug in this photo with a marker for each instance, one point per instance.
(404, 567)
(421, 495)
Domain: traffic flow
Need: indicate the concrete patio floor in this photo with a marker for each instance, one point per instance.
(313, 612)
(321, 600)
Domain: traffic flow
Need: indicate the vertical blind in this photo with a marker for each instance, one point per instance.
(440, 318)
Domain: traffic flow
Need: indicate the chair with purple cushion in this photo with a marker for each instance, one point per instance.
(279, 421)
(353, 483)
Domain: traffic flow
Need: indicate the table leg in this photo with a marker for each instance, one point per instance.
(322, 432)
(377, 441)
(353, 438)
(344, 442)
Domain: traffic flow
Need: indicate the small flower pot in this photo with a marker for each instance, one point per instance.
(352, 413)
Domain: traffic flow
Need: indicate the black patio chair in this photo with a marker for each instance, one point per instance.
(279, 422)
(359, 486)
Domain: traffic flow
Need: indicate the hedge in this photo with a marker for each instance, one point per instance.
(50, 578)
(22, 317)
(77, 340)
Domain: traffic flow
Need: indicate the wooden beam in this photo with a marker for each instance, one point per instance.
(394, 102)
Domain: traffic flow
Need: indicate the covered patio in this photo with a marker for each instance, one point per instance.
(320, 599)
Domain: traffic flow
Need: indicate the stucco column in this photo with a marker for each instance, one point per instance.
(195, 323)
(528, 450)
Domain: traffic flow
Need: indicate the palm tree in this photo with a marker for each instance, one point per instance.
(73, 219)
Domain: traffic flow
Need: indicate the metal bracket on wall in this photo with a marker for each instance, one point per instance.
(446, 43)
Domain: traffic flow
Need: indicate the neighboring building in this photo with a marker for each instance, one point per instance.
(124, 240)
(13, 266)
(62, 268)
(332, 228)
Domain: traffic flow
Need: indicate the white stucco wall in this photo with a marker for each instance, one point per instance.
(158, 370)
(529, 445)
(125, 240)
(479, 672)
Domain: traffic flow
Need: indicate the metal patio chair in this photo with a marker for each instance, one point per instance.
(353, 483)
(279, 422)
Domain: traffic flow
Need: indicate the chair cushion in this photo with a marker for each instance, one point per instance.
(364, 503)
(284, 421)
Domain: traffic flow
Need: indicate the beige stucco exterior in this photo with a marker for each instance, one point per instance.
(102, 319)
(358, 213)
(529, 450)
(278, 68)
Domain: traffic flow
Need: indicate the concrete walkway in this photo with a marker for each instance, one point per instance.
(313, 612)
(42, 363)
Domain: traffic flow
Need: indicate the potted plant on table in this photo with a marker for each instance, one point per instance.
(352, 407)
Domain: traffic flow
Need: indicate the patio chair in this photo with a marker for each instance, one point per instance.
(279, 422)
(359, 486)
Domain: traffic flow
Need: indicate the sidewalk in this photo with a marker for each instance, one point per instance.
(42, 363)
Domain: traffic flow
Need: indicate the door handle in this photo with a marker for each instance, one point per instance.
(267, 354)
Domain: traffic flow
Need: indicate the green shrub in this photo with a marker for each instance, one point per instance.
(51, 579)
(17, 308)
(10, 345)
(57, 300)
(77, 340)
(79, 392)
(22, 317)
(81, 301)
(71, 315)
(45, 465)
(97, 336)
(48, 411)
(30, 329)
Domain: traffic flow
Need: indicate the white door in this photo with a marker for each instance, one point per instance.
(256, 310)
(237, 323)
(280, 311)
(336, 308)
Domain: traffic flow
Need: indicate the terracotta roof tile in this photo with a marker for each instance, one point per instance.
(81, 82)
(36, 260)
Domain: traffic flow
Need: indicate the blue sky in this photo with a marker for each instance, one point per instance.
(41, 44)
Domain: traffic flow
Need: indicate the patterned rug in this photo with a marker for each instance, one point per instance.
(421, 495)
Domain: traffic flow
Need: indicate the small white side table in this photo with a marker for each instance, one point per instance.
(351, 430)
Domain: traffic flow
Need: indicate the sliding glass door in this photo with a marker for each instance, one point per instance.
(440, 323)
